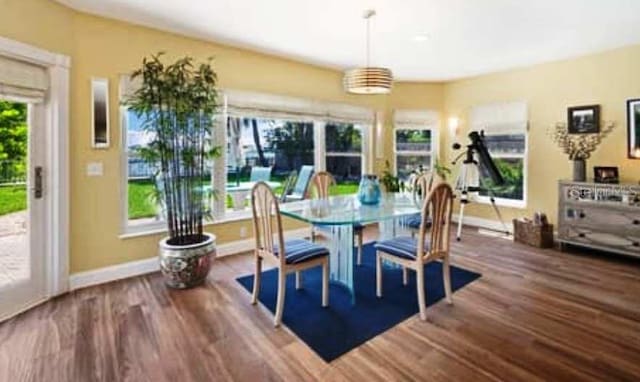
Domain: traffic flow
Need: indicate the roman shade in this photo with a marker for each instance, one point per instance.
(416, 118)
(261, 105)
(504, 118)
(22, 80)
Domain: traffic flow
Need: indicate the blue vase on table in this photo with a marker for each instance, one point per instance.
(369, 190)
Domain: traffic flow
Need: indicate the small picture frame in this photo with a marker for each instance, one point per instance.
(605, 175)
(99, 113)
(583, 119)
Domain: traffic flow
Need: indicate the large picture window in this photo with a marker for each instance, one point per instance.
(262, 149)
(413, 149)
(268, 138)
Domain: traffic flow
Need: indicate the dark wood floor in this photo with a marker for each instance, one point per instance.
(534, 315)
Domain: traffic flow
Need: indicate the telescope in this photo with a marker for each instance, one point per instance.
(478, 147)
(470, 177)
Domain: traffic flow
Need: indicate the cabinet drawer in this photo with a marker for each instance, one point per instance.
(618, 241)
(609, 220)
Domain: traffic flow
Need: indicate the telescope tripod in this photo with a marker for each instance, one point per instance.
(469, 180)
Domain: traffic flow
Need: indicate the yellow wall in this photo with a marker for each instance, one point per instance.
(608, 79)
(102, 47)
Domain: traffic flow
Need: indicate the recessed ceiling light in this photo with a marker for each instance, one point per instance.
(422, 37)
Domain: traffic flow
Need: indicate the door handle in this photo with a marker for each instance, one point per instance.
(37, 182)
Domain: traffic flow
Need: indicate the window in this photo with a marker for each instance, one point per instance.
(344, 155)
(508, 152)
(265, 137)
(264, 149)
(413, 149)
(142, 207)
(505, 128)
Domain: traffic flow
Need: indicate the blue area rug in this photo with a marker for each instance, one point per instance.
(342, 326)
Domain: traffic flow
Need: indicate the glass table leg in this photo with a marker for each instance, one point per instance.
(341, 258)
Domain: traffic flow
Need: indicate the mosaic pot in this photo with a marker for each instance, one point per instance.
(185, 266)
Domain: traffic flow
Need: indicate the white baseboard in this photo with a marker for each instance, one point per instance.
(141, 267)
(113, 272)
(489, 224)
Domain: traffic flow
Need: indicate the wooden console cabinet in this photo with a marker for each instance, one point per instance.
(600, 216)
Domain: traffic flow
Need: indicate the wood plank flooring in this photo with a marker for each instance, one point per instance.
(534, 315)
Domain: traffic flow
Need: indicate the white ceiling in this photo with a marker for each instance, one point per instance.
(463, 37)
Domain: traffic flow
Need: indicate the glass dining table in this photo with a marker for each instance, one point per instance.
(336, 217)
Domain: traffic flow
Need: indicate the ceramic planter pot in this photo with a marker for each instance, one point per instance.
(186, 266)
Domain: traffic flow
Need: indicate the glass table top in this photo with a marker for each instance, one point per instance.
(346, 209)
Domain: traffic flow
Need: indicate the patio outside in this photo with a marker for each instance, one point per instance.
(14, 264)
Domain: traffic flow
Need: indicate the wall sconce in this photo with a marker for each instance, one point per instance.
(454, 124)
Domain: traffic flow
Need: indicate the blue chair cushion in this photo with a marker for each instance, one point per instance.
(299, 250)
(415, 220)
(402, 246)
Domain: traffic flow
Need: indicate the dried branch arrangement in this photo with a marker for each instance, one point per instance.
(579, 146)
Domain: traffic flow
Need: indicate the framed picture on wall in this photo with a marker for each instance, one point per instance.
(99, 113)
(605, 174)
(583, 119)
(633, 129)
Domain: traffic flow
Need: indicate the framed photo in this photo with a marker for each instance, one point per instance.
(583, 119)
(633, 129)
(605, 174)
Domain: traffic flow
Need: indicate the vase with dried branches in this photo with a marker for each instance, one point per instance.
(579, 146)
(177, 104)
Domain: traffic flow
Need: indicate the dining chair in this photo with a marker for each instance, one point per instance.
(302, 184)
(421, 184)
(414, 254)
(319, 187)
(260, 174)
(287, 187)
(289, 256)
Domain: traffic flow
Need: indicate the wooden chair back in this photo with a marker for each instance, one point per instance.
(267, 222)
(421, 186)
(320, 184)
(438, 206)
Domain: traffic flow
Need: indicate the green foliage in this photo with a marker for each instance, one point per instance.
(12, 199)
(442, 170)
(13, 141)
(513, 175)
(390, 182)
(177, 103)
(295, 141)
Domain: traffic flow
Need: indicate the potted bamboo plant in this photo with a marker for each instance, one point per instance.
(177, 104)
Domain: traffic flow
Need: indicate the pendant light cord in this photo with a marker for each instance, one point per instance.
(368, 14)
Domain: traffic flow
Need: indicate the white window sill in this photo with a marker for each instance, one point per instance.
(500, 202)
(159, 227)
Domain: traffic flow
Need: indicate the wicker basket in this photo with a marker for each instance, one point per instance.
(534, 235)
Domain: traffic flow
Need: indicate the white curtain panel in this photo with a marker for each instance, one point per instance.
(22, 80)
(503, 118)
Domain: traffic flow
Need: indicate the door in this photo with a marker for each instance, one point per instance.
(23, 214)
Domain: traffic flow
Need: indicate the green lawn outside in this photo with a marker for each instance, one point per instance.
(12, 199)
(141, 205)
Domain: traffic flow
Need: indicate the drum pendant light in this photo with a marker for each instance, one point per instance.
(368, 80)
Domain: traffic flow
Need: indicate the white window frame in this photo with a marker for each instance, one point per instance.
(364, 151)
(435, 144)
(504, 202)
